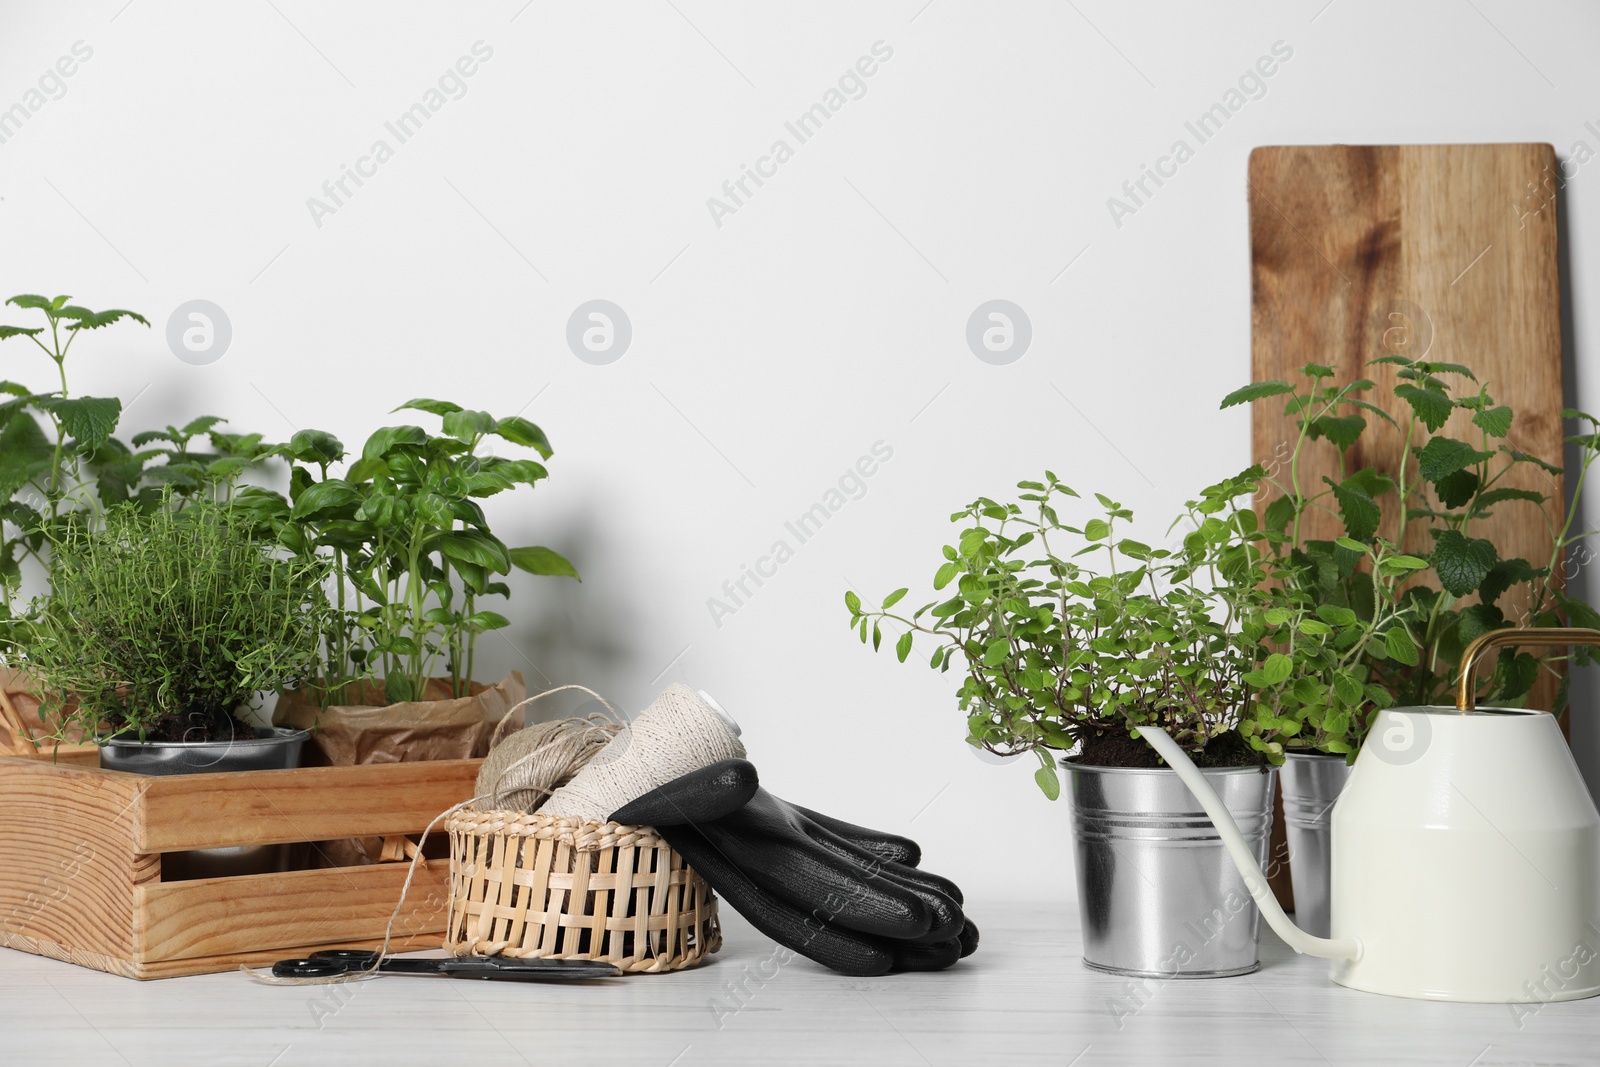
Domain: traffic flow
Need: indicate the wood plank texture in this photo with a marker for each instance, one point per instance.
(310, 804)
(228, 917)
(66, 855)
(1426, 251)
(80, 862)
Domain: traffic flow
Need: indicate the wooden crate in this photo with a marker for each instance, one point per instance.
(80, 863)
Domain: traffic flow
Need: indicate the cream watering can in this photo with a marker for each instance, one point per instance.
(1466, 852)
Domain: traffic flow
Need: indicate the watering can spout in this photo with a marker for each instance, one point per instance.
(1331, 948)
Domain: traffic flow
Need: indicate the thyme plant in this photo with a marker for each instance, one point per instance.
(163, 623)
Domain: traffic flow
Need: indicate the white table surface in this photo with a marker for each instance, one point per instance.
(1024, 998)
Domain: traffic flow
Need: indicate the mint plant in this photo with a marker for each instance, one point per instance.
(1063, 656)
(411, 553)
(1398, 622)
(50, 442)
(59, 457)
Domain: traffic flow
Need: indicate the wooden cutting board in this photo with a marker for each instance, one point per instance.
(1446, 252)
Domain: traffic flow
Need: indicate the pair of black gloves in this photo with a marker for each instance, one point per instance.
(850, 898)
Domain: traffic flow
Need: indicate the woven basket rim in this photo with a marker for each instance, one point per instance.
(586, 835)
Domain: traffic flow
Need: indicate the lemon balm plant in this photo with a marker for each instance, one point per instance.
(1398, 620)
(1071, 637)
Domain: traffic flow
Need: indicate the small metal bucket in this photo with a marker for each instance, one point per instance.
(271, 749)
(1311, 783)
(1158, 894)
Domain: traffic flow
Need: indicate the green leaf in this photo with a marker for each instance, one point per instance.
(476, 547)
(1277, 668)
(536, 559)
(1496, 496)
(89, 419)
(1335, 615)
(1347, 689)
(944, 575)
(1401, 648)
(1256, 391)
(24, 453)
(519, 431)
(1462, 563)
(389, 437)
(94, 320)
(1496, 422)
(1457, 489)
(397, 687)
(853, 602)
(326, 496)
(37, 303)
(487, 620)
(314, 446)
(379, 509)
(1432, 406)
(902, 647)
(1358, 510)
(1502, 576)
(1048, 781)
(1096, 530)
(196, 426)
(1343, 430)
(7, 332)
(433, 407)
(1518, 673)
(468, 426)
(893, 598)
(998, 652)
(525, 471)
(1528, 457)
(1443, 456)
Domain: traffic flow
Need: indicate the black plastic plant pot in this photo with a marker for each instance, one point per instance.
(271, 749)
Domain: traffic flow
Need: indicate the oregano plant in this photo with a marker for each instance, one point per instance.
(1071, 637)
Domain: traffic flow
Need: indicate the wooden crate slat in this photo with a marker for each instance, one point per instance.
(227, 916)
(310, 804)
(80, 860)
(66, 855)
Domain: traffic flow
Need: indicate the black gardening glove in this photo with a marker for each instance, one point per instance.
(847, 897)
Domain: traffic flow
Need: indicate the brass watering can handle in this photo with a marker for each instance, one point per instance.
(1466, 688)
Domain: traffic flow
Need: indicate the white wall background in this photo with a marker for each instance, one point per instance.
(769, 352)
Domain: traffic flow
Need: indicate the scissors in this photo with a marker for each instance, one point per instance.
(330, 963)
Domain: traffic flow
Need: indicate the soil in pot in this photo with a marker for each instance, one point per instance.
(1114, 748)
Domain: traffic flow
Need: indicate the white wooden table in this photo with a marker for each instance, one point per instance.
(1024, 998)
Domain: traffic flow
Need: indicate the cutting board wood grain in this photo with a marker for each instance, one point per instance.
(1443, 252)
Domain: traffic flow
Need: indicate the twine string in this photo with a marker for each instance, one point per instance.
(565, 739)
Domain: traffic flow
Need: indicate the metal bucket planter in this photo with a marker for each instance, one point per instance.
(1158, 895)
(271, 749)
(1311, 783)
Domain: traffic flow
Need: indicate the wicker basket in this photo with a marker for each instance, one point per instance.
(533, 885)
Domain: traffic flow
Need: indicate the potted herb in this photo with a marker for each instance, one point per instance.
(1412, 582)
(61, 462)
(1067, 654)
(413, 561)
(161, 627)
